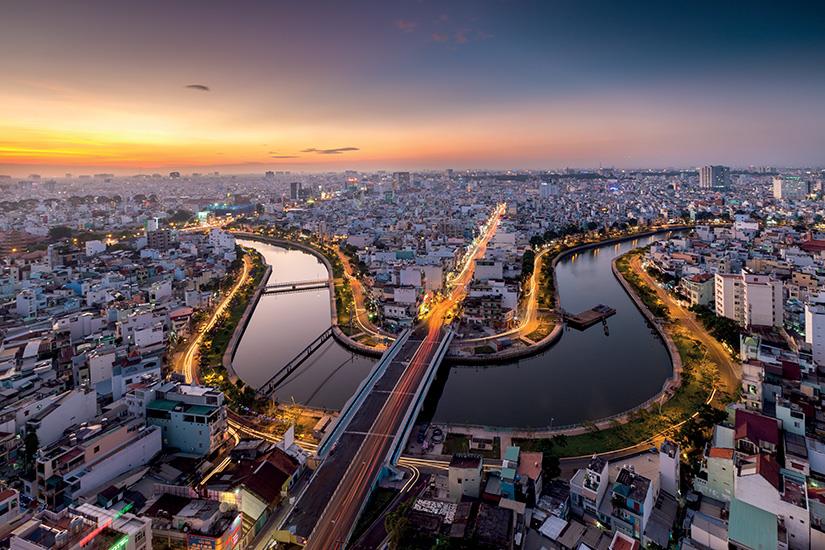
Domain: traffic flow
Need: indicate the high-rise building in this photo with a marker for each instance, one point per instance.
(160, 239)
(401, 181)
(789, 188)
(714, 177)
(548, 189)
(815, 327)
(295, 190)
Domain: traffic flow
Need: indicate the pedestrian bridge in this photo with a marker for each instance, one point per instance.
(296, 286)
(268, 389)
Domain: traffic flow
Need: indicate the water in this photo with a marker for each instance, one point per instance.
(283, 324)
(585, 376)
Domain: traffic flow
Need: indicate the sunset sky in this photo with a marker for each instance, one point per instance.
(128, 86)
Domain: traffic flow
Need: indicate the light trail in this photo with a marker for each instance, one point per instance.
(188, 364)
(341, 512)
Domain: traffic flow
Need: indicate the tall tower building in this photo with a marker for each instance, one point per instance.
(789, 187)
(295, 190)
(714, 177)
(401, 181)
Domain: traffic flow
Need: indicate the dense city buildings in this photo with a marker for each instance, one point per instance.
(105, 420)
(714, 177)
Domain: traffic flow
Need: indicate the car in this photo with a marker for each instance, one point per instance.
(653, 450)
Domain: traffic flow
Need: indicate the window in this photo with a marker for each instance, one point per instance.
(96, 449)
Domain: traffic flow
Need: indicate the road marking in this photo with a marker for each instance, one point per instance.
(392, 392)
(370, 434)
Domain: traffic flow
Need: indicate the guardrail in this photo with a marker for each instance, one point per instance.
(415, 406)
(355, 402)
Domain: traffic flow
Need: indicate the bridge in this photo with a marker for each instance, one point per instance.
(371, 431)
(367, 438)
(296, 286)
(268, 389)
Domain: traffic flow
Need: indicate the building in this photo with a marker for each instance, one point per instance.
(753, 527)
(159, 239)
(401, 181)
(13, 242)
(716, 476)
(669, 468)
(714, 177)
(48, 530)
(295, 190)
(632, 502)
(815, 327)
(763, 300)
(88, 458)
(70, 408)
(126, 531)
(789, 188)
(750, 299)
(699, 289)
(464, 476)
(728, 297)
(589, 486)
(9, 508)
(193, 418)
(182, 520)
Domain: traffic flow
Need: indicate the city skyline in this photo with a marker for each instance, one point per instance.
(126, 88)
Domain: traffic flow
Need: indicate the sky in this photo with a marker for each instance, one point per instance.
(302, 85)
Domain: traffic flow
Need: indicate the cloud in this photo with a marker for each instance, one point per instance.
(336, 151)
(405, 25)
(283, 156)
(199, 87)
(440, 37)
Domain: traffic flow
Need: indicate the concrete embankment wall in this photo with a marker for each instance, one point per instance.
(240, 328)
(337, 333)
(671, 383)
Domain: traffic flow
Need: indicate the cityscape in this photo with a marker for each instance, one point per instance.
(426, 275)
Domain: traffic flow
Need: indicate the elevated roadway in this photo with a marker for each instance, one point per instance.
(373, 427)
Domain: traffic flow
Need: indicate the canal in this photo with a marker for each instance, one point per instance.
(585, 376)
(283, 324)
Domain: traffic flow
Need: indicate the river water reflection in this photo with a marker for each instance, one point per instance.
(585, 376)
(283, 324)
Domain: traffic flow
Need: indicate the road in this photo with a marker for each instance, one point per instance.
(529, 321)
(729, 371)
(361, 316)
(187, 364)
(353, 488)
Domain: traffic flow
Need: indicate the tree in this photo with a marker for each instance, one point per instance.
(550, 466)
(528, 261)
(31, 443)
(60, 232)
(397, 525)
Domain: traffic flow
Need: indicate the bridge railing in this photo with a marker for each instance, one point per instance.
(278, 378)
(297, 283)
(355, 402)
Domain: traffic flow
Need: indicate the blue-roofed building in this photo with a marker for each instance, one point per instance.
(193, 418)
(754, 528)
(632, 501)
(509, 474)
